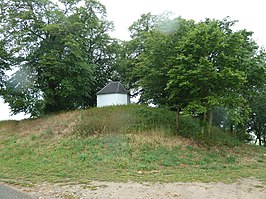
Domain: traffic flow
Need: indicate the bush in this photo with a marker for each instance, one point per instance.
(154, 119)
(103, 120)
(124, 119)
(138, 118)
(189, 127)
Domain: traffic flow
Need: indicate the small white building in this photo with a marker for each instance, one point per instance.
(112, 94)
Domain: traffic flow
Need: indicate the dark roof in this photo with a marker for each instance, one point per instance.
(113, 87)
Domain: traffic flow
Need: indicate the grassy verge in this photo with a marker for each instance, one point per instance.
(117, 144)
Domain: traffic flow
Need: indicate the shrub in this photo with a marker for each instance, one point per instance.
(154, 119)
(189, 127)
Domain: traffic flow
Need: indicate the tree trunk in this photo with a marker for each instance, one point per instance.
(203, 122)
(231, 128)
(210, 117)
(260, 141)
(258, 135)
(177, 119)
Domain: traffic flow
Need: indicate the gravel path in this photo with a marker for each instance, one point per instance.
(243, 189)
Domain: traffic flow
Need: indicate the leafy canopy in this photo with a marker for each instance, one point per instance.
(194, 66)
(62, 53)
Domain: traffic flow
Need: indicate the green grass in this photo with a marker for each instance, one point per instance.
(117, 144)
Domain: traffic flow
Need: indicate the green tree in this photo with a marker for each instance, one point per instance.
(146, 59)
(156, 62)
(212, 65)
(145, 56)
(198, 66)
(4, 63)
(130, 51)
(63, 54)
(257, 120)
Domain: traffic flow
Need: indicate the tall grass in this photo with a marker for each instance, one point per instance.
(124, 119)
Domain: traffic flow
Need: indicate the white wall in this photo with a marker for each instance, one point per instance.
(112, 99)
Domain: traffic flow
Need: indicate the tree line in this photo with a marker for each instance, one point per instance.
(62, 55)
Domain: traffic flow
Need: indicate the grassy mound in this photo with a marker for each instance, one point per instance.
(125, 119)
(117, 119)
(119, 144)
(83, 123)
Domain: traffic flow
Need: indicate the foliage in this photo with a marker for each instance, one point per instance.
(190, 127)
(197, 66)
(211, 68)
(125, 119)
(4, 62)
(257, 121)
(63, 54)
(129, 51)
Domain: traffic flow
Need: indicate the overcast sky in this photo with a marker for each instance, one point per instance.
(251, 15)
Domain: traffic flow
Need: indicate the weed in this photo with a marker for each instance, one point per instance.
(34, 137)
(259, 186)
(190, 148)
(82, 156)
(231, 159)
(48, 133)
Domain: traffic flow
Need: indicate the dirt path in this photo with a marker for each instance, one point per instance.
(243, 189)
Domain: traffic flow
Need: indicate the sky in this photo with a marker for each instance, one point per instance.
(250, 14)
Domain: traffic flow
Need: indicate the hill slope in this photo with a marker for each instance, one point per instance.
(119, 144)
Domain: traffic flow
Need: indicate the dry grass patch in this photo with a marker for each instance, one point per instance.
(61, 124)
(158, 138)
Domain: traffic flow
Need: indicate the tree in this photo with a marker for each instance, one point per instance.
(4, 62)
(149, 50)
(257, 120)
(198, 66)
(147, 57)
(211, 68)
(129, 51)
(63, 54)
